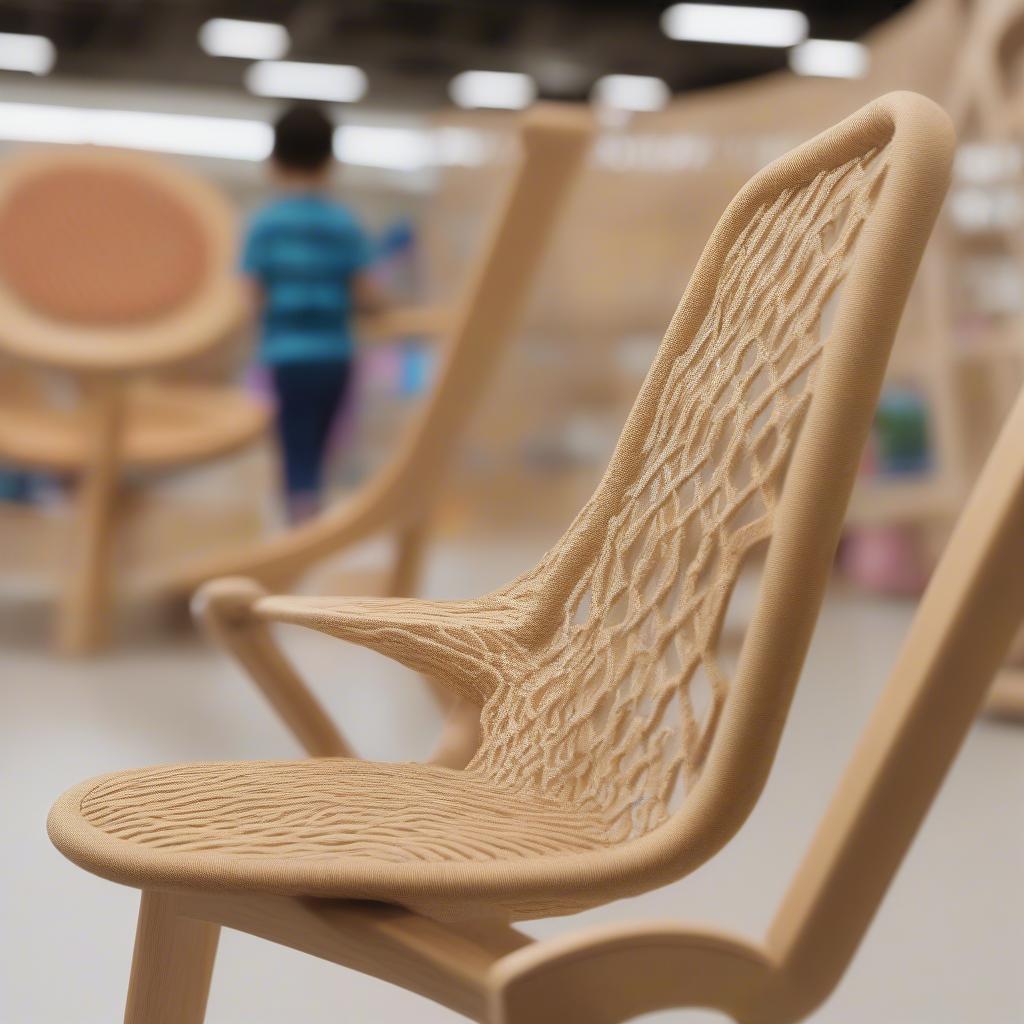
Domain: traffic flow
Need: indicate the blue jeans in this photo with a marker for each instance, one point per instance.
(308, 397)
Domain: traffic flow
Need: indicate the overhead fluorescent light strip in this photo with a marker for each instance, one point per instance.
(830, 58)
(500, 90)
(741, 26)
(379, 146)
(395, 149)
(186, 134)
(630, 92)
(330, 83)
(34, 54)
(251, 40)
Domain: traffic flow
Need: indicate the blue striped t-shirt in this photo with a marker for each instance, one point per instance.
(304, 249)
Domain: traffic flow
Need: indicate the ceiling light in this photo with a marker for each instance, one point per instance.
(830, 58)
(985, 163)
(187, 134)
(461, 147)
(253, 40)
(332, 83)
(744, 26)
(35, 54)
(630, 92)
(394, 149)
(504, 90)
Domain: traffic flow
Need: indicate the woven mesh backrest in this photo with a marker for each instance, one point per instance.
(617, 715)
(99, 245)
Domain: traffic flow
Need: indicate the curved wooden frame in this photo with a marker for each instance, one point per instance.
(240, 618)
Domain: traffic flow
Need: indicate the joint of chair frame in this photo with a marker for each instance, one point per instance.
(461, 644)
(229, 600)
(226, 607)
(669, 966)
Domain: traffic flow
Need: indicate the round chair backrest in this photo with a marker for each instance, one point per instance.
(111, 259)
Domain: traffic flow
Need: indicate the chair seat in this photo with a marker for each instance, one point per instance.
(165, 425)
(337, 827)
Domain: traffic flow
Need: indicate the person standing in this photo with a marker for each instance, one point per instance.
(308, 263)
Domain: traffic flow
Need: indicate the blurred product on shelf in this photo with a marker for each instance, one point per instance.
(984, 253)
(900, 433)
(885, 559)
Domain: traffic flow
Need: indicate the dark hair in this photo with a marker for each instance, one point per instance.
(303, 138)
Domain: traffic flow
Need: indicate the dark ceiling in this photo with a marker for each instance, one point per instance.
(411, 48)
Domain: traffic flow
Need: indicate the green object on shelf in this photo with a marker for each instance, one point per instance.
(901, 431)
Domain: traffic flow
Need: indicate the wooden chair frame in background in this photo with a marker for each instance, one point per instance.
(100, 438)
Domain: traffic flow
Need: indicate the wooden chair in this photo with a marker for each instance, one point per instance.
(112, 265)
(619, 752)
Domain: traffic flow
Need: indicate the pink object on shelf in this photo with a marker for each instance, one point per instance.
(884, 559)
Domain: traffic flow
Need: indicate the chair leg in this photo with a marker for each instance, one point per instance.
(171, 966)
(85, 606)
(405, 573)
(224, 606)
(460, 736)
(1006, 698)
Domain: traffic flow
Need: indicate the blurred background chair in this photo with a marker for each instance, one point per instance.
(113, 267)
(620, 749)
(400, 498)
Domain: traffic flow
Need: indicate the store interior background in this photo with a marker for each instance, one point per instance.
(423, 172)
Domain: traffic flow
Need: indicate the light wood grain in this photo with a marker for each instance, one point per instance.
(172, 964)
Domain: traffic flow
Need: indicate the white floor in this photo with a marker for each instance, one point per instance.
(946, 948)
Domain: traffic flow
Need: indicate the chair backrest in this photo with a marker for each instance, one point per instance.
(111, 260)
(748, 429)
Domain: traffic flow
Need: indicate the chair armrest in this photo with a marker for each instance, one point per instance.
(423, 321)
(461, 644)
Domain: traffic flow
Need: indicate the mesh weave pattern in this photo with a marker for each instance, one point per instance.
(606, 719)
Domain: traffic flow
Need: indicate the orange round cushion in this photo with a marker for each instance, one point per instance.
(97, 245)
